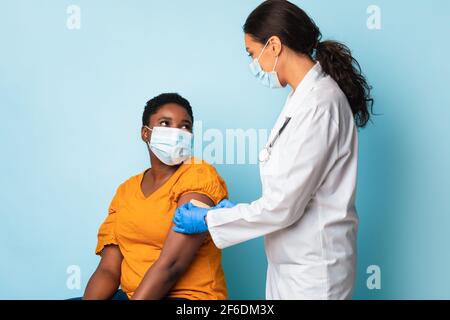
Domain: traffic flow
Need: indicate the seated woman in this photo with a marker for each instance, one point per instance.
(139, 250)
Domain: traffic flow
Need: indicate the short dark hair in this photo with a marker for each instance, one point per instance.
(154, 104)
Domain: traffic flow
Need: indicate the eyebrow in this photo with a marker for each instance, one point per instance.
(169, 118)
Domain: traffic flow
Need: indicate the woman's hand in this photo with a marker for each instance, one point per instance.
(191, 219)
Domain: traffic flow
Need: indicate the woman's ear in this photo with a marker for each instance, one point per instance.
(275, 46)
(145, 134)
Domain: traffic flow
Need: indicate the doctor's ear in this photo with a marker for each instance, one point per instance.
(274, 46)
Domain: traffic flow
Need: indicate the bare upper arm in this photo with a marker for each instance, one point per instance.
(180, 249)
(111, 259)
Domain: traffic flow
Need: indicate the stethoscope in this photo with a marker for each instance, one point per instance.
(264, 155)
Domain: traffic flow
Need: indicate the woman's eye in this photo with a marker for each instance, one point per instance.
(186, 127)
(164, 123)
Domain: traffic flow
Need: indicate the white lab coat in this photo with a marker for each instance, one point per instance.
(307, 208)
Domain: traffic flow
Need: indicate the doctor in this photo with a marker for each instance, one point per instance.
(309, 166)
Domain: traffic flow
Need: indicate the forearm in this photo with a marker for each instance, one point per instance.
(102, 285)
(157, 282)
(231, 226)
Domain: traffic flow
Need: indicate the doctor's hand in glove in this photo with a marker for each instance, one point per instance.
(190, 219)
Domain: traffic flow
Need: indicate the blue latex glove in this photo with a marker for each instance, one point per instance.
(190, 219)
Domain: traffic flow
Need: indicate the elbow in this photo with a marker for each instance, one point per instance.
(168, 270)
(283, 214)
(113, 275)
(174, 270)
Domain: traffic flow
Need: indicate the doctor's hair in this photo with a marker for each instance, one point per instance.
(299, 32)
(156, 103)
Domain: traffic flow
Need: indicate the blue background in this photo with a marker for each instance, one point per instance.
(71, 103)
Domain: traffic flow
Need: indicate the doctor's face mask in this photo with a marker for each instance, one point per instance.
(268, 79)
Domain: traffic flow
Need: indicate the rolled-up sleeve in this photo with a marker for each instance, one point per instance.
(107, 231)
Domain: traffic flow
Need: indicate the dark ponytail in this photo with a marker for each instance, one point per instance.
(298, 31)
(337, 61)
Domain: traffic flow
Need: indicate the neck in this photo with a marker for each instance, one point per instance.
(297, 68)
(160, 171)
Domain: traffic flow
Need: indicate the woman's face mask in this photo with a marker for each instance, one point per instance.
(170, 145)
(268, 79)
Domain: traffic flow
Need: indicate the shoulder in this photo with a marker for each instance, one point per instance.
(199, 162)
(200, 176)
(328, 99)
(129, 184)
(200, 168)
(328, 94)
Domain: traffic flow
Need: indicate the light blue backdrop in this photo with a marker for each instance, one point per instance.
(71, 102)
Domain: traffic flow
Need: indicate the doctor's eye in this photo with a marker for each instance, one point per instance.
(164, 123)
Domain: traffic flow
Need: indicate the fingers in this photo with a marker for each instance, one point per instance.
(186, 206)
(225, 203)
(189, 219)
(178, 229)
(179, 218)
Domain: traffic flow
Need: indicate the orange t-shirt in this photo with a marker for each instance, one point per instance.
(139, 226)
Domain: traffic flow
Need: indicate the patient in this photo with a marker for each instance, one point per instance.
(139, 251)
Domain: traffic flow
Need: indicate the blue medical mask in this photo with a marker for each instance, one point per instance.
(170, 145)
(268, 79)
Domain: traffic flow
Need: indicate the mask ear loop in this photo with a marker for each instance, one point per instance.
(264, 48)
(148, 142)
(276, 61)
